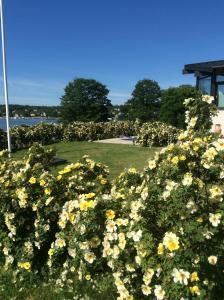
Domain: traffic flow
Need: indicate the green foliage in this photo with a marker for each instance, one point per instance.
(3, 139)
(37, 154)
(85, 100)
(172, 109)
(145, 101)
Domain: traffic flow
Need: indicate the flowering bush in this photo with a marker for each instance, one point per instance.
(148, 134)
(153, 235)
(89, 131)
(157, 134)
(24, 136)
(32, 205)
(169, 243)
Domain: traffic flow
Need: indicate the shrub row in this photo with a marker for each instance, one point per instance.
(148, 134)
(151, 235)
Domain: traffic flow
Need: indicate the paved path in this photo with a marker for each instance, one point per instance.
(124, 141)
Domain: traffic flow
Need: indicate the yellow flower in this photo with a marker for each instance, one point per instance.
(47, 191)
(160, 249)
(170, 147)
(88, 277)
(199, 220)
(24, 265)
(175, 160)
(171, 241)
(42, 182)
(90, 195)
(32, 180)
(195, 290)
(84, 205)
(59, 177)
(182, 157)
(76, 166)
(71, 217)
(195, 148)
(50, 252)
(110, 214)
(60, 243)
(103, 181)
(194, 277)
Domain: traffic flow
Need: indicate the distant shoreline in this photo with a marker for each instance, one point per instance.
(28, 118)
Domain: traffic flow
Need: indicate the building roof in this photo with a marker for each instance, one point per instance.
(208, 67)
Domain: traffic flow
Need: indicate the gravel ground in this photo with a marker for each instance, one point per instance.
(123, 140)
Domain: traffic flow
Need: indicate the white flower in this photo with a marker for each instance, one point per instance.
(208, 235)
(219, 144)
(147, 278)
(212, 259)
(171, 185)
(136, 235)
(72, 252)
(215, 219)
(187, 180)
(146, 290)
(159, 292)
(166, 195)
(207, 98)
(180, 276)
(152, 164)
(191, 205)
(193, 121)
(188, 100)
(89, 257)
(171, 241)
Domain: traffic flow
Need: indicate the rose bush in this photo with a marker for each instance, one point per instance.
(170, 245)
(157, 234)
(156, 134)
(32, 200)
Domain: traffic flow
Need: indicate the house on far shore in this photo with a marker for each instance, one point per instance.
(210, 80)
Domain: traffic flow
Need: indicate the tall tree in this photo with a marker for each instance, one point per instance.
(85, 100)
(145, 101)
(172, 110)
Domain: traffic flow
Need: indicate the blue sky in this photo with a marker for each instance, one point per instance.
(118, 42)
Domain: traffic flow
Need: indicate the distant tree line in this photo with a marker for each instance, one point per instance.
(87, 100)
(26, 111)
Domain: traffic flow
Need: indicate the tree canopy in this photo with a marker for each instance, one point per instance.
(145, 101)
(172, 109)
(85, 100)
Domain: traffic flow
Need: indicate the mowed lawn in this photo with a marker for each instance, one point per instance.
(116, 157)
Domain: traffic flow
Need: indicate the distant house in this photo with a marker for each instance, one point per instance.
(210, 80)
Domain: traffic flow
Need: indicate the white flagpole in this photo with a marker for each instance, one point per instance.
(5, 78)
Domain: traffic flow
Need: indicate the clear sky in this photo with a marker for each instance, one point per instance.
(118, 42)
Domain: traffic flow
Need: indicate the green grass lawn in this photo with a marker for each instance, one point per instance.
(116, 157)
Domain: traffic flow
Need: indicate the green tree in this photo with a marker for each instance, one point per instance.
(85, 100)
(145, 101)
(172, 109)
